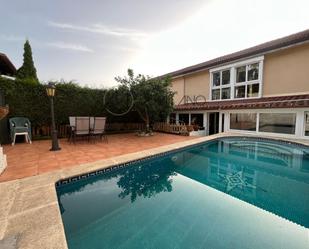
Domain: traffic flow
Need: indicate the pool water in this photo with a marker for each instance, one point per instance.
(227, 193)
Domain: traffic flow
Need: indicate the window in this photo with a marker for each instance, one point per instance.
(184, 119)
(238, 81)
(197, 119)
(253, 72)
(277, 122)
(253, 90)
(240, 92)
(215, 94)
(243, 121)
(173, 118)
(221, 85)
(306, 123)
(226, 75)
(248, 77)
(240, 74)
(216, 79)
(225, 93)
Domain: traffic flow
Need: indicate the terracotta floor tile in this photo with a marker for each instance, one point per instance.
(67, 164)
(31, 159)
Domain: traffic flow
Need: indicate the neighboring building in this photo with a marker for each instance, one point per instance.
(7, 69)
(263, 89)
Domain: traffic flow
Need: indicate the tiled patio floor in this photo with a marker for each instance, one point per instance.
(32, 159)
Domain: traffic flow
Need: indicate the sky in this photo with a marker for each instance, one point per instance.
(91, 42)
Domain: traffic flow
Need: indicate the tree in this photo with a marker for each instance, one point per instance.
(153, 98)
(27, 71)
(158, 178)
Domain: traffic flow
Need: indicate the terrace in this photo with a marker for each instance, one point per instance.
(26, 160)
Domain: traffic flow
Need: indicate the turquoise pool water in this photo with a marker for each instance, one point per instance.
(227, 193)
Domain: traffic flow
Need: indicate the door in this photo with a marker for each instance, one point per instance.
(222, 122)
(213, 123)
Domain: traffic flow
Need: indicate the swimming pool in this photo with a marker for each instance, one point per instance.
(225, 193)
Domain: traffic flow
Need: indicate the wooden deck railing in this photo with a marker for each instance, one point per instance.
(63, 130)
(125, 126)
(173, 128)
(45, 131)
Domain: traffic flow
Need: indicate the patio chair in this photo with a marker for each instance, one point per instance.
(81, 128)
(99, 128)
(20, 126)
(72, 121)
(71, 128)
(91, 123)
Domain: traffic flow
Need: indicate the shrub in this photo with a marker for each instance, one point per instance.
(30, 100)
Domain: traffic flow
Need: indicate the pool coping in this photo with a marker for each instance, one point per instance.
(29, 207)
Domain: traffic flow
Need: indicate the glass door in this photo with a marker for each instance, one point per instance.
(306, 123)
(222, 122)
(213, 123)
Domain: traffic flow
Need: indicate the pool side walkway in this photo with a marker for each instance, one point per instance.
(29, 212)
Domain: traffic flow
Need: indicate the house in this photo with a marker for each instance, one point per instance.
(262, 90)
(7, 69)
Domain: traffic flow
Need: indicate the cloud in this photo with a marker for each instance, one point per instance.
(12, 38)
(200, 38)
(59, 44)
(99, 29)
(69, 46)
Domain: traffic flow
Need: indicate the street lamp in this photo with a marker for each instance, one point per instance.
(50, 90)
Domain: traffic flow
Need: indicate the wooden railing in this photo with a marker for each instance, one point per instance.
(180, 129)
(124, 127)
(63, 130)
(45, 131)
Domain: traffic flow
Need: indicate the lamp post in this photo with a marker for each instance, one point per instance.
(50, 90)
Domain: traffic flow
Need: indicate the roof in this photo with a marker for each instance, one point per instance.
(292, 101)
(263, 48)
(6, 66)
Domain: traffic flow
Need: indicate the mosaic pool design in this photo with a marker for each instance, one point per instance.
(226, 193)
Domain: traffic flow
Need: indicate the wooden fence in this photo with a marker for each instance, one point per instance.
(63, 130)
(45, 131)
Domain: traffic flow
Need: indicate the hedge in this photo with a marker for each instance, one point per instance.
(30, 100)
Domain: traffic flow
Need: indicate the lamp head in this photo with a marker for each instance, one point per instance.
(51, 89)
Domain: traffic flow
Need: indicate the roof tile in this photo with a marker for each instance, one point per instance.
(291, 101)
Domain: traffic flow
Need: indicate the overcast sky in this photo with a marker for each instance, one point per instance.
(93, 41)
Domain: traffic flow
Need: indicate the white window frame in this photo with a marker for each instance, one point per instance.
(246, 112)
(299, 124)
(233, 84)
(220, 87)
